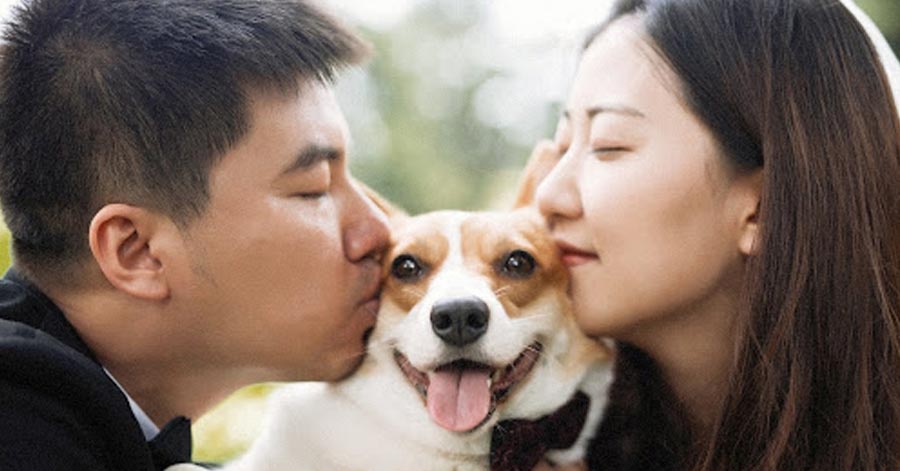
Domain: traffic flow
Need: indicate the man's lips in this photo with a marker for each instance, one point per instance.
(371, 301)
(372, 306)
(574, 256)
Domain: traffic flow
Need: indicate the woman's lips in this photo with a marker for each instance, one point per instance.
(573, 256)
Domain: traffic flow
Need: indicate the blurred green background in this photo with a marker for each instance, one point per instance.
(444, 116)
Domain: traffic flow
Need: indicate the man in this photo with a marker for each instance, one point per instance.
(174, 176)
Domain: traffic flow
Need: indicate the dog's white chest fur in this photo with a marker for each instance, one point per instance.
(356, 426)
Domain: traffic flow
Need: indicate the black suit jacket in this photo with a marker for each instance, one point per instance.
(58, 408)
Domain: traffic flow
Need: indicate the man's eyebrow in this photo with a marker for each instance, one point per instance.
(614, 109)
(310, 156)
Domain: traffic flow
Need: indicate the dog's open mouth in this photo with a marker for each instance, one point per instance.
(463, 394)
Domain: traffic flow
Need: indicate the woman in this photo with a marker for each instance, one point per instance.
(727, 196)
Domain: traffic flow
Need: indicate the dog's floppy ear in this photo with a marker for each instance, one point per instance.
(381, 202)
(543, 159)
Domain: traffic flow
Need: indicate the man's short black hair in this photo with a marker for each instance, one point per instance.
(134, 101)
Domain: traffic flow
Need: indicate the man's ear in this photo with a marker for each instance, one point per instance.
(126, 242)
(749, 193)
(543, 158)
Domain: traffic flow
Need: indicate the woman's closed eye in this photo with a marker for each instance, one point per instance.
(612, 136)
(610, 149)
(607, 151)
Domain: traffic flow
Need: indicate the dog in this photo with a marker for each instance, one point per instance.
(475, 327)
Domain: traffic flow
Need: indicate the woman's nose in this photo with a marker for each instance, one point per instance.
(558, 196)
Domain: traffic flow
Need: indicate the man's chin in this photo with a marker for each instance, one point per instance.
(349, 362)
(349, 371)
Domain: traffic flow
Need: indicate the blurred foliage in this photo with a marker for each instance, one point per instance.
(227, 430)
(886, 14)
(431, 149)
(5, 258)
(420, 140)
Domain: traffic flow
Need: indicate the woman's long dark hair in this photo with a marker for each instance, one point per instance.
(794, 87)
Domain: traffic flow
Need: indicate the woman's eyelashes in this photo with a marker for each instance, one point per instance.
(601, 144)
(606, 148)
(607, 151)
(602, 151)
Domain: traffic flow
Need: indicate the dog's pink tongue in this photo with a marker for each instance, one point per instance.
(459, 399)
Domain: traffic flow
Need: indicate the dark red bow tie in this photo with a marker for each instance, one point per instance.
(518, 445)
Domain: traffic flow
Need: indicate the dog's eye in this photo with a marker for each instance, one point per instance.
(407, 268)
(518, 264)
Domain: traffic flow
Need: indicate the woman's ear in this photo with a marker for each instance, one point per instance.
(126, 242)
(749, 241)
(749, 193)
(543, 158)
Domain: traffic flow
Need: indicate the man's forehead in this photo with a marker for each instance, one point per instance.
(286, 131)
(311, 106)
(308, 120)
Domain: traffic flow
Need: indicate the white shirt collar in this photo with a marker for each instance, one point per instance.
(147, 426)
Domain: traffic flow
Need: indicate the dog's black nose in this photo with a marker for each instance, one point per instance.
(460, 321)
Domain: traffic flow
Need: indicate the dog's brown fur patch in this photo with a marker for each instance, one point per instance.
(425, 242)
(489, 237)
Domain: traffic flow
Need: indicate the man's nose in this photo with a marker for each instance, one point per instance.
(367, 234)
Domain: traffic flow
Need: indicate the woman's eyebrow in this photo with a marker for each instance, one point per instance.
(593, 111)
(614, 109)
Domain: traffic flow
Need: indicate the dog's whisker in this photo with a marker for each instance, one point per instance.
(547, 357)
(376, 344)
(539, 319)
(537, 316)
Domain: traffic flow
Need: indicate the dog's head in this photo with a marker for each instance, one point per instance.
(476, 320)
